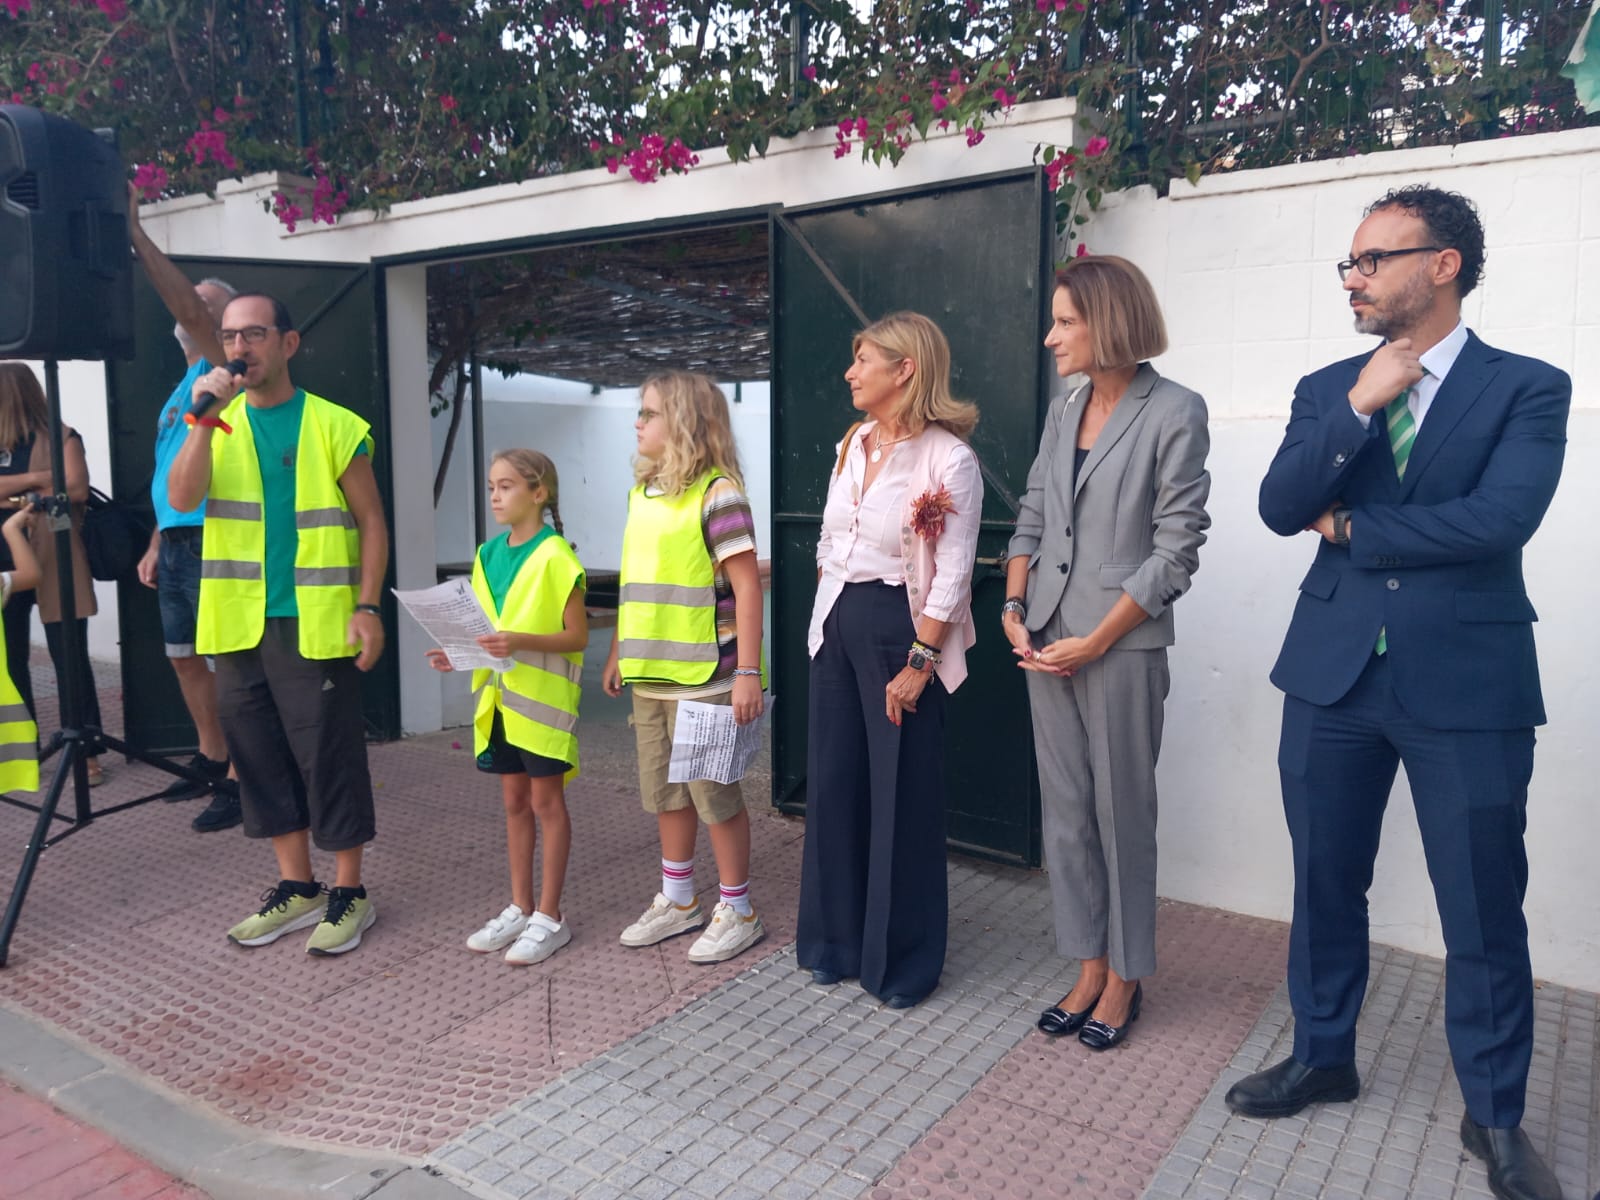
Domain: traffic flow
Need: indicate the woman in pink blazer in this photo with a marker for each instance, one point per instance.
(889, 634)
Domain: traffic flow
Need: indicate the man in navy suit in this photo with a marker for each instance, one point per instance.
(1425, 467)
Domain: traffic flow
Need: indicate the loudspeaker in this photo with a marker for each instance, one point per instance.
(66, 278)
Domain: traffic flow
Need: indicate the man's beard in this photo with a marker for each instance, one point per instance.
(1404, 311)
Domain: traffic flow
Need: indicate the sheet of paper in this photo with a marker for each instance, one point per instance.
(707, 744)
(451, 615)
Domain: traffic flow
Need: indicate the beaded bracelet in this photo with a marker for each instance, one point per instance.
(931, 653)
(756, 671)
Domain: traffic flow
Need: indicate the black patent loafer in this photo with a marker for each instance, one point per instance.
(1097, 1035)
(1058, 1022)
(1516, 1170)
(1285, 1089)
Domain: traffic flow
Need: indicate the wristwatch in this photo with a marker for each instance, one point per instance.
(1341, 527)
(918, 661)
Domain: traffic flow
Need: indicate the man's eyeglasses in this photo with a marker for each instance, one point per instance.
(252, 334)
(646, 415)
(1367, 263)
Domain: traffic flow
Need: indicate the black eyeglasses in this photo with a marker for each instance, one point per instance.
(1367, 263)
(253, 334)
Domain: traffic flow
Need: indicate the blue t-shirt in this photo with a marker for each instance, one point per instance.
(170, 432)
(276, 432)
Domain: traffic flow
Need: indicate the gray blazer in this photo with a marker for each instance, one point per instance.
(1133, 521)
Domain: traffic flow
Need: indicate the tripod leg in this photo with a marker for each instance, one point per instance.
(69, 763)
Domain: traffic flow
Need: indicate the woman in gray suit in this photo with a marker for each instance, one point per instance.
(1107, 538)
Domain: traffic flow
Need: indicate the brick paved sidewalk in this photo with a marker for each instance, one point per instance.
(47, 1156)
(414, 1070)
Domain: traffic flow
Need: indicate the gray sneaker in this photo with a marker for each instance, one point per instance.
(662, 920)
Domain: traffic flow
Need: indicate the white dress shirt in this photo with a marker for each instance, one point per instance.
(1436, 363)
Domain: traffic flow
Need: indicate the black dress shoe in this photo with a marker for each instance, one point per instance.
(1058, 1021)
(1516, 1172)
(1097, 1035)
(1285, 1089)
(825, 978)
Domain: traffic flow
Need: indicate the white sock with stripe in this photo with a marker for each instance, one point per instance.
(677, 881)
(738, 898)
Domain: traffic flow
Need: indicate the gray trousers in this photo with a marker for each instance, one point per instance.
(1097, 736)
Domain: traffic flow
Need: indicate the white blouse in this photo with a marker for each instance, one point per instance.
(861, 540)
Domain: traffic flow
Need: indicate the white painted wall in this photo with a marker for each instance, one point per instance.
(1244, 266)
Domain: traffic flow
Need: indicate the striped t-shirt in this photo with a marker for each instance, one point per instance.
(729, 529)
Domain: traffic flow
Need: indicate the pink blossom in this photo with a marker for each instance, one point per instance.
(150, 179)
(612, 164)
(1004, 98)
(841, 150)
(810, 73)
(594, 145)
(1096, 147)
(443, 38)
(115, 10)
(863, 126)
(847, 127)
(1082, 251)
(939, 102)
(974, 135)
(207, 142)
(16, 7)
(35, 72)
(447, 102)
(955, 74)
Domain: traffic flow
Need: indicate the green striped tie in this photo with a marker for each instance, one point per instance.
(1402, 435)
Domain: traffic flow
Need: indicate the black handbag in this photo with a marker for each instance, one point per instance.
(114, 537)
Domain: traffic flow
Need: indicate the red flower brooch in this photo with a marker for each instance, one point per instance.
(928, 512)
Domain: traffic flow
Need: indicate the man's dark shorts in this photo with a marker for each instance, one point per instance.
(178, 587)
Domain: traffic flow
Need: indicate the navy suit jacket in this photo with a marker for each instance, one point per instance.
(1435, 559)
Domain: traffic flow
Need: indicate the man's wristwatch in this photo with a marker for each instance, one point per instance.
(1341, 527)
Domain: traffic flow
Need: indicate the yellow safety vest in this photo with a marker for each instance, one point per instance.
(667, 603)
(327, 560)
(538, 697)
(19, 737)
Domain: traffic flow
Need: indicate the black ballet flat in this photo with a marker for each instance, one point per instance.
(1097, 1035)
(825, 978)
(899, 1000)
(1058, 1022)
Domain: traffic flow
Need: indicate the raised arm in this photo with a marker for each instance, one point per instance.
(186, 305)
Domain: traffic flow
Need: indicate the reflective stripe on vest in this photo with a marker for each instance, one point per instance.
(19, 737)
(327, 571)
(667, 606)
(537, 699)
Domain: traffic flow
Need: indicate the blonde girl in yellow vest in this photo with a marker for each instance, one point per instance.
(689, 628)
(19, 736)
(531, 584)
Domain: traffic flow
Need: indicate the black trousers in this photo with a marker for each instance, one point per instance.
(18, 621)
(873, 900)
(88, 697)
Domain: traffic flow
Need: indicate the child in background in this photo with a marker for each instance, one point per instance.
(531, 585)
(19, 736)
(689, 628)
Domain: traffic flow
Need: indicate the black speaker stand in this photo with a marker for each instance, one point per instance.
(74, 739)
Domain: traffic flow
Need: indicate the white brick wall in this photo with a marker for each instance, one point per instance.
(1244, 267)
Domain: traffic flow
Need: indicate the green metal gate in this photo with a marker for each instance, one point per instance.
(975, 257)
(336, 308)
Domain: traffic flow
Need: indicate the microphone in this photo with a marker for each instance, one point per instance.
(206, 401)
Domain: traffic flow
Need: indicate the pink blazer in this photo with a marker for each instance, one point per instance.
(940, 455)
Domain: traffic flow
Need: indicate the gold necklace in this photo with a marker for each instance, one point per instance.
(877, 451)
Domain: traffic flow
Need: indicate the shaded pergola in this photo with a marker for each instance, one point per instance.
(608, 313)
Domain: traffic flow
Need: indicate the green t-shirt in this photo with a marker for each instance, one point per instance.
(502, 561)
(276, 433)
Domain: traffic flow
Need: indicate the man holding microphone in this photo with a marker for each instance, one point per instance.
(295, 551)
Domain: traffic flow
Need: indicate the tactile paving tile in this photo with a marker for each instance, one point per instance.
(771, 1086)
(1401, 1138)
(1057, 1119)
(409, 1040)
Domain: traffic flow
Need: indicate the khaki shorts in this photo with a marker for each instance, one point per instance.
(653, 725)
